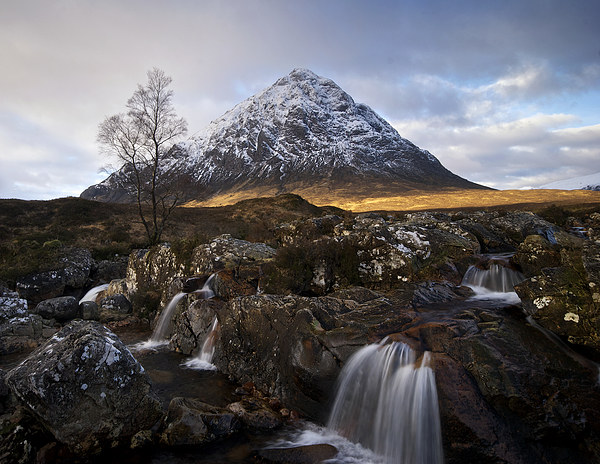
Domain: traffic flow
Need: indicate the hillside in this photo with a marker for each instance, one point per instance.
(301, 135)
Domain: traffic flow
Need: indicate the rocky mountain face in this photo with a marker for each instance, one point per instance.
(303, 134)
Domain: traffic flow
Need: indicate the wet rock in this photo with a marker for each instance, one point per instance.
(191, 422)
(256, 414)
(496, 375)
(309, 454)
(291, 347)
(61, 309)
(192, 325)
(87, 389)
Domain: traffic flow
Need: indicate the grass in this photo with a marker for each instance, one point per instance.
(358, 200)
(31, 232)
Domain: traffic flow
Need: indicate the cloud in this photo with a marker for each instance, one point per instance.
(530, 152)
(447, 72)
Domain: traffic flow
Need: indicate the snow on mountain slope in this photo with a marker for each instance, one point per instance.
(589, 182)
(302, 130)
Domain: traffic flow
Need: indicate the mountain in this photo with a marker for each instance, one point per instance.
(303, 135)
(589, 182)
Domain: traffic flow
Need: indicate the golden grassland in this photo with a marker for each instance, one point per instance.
(423, 200)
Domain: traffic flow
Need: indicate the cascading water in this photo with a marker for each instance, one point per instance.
(388, 404)
(93, 293)
(207, 290)
(161, 330)
(492, 278)
(204, 359)
(162, 326)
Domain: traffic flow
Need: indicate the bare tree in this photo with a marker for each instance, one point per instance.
(140, 140)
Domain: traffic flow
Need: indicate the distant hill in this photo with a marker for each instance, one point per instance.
(302, 135)
(590, 182)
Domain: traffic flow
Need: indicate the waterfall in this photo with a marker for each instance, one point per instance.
(93, 293)
(207, 290)
(161, 330)
(204, 359)
(388, 404)
(162, 326)
(493, 279)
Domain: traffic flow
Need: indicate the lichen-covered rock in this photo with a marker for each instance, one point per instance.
(191, 422)
(89, 310)
(564, 298)
(11, 305)
(70, 275)
(85, 386)
(24, 333)
(61, 309)
(153, 270)
(114, 308)
(291, 347)
(390, 252)
(225, 252)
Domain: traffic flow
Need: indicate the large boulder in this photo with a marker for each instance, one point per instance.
(86, 387)
(62, 309)
(226, 252)
(508, 393)
(371, 250)
(562, 292)
(292, 347)
(153, 270)
(69, 276)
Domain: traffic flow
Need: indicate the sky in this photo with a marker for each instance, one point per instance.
(503, 93)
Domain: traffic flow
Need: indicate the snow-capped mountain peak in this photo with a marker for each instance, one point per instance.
(305, 130)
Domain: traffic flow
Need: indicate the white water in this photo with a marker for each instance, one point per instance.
(93, 293)
(204, 359)
(207, 290)
(161, 330)
(497, 282)
(389, 405)
(348, 452)
(162, 326)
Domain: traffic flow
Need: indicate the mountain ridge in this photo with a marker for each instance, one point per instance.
(301, 133)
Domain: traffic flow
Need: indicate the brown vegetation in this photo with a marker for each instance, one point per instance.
(31, 232)
(358, 199)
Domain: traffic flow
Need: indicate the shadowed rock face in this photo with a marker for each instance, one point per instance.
(507, 393)
(86, 388)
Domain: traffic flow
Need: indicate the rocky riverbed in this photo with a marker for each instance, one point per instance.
(517, 379)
